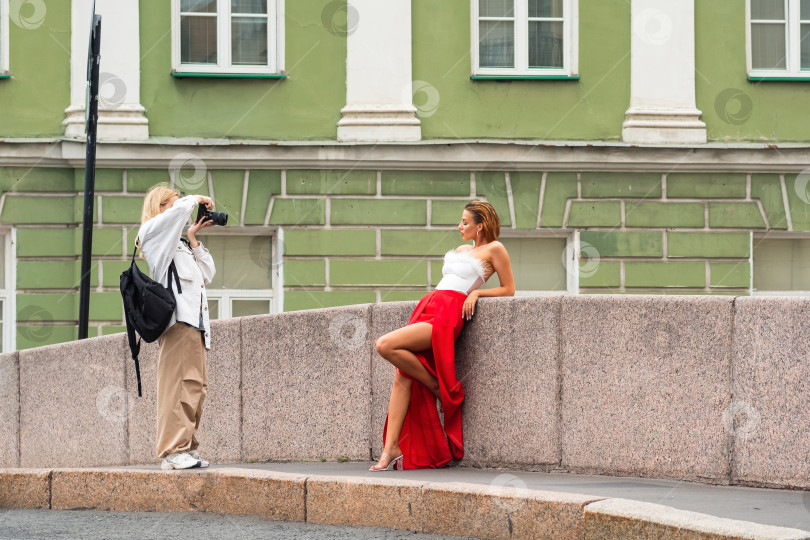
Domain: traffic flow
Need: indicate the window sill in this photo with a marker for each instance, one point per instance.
(189, 74)
(524, 77)
(5, 76)
(757, 78)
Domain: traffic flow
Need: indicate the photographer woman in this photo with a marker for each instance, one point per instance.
(181, 380)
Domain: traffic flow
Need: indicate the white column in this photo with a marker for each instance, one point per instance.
(662, 79)
(120, 113)
(379, 95)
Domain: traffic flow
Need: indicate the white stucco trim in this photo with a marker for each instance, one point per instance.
(121, 116)
(379, 86)
(10, 302)
(4, 40)
(662, 79)
(786, 158)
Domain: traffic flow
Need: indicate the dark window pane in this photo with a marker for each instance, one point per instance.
(782, 265)
(545, 44)
(496, 8)
(198, 40)
(198, 6)
(249, 6)
(496, 44)
(768, 9)
(768, 46)
(242, 262)
(805, 46)
(545, 8)
(213, 309)
(249, 41)
(244, 308)
(805, 15)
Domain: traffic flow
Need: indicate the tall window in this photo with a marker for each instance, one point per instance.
(228, 36)
(782, 266)
(524, 37)
(245, 277)
(779, 38)
(4, 37)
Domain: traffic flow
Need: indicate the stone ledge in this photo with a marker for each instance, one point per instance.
(631, 520)
(426, 507)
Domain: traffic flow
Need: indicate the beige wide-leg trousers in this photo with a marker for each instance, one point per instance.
(181, 389)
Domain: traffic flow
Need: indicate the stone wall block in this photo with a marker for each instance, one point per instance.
(646, 381)
(306, 384)
(771, 406)
(9, 410)
(25, 488)
(73, 404)
(507, 361)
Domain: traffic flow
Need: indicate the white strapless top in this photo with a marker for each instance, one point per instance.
(463, 272)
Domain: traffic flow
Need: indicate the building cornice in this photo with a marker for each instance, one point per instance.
(424, 155)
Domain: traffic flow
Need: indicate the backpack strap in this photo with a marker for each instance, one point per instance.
(173, 270)
(135, 349)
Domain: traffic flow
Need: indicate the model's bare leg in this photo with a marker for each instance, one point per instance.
(396, 347)
(397, 409)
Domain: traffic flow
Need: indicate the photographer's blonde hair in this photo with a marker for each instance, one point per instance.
(157, 196)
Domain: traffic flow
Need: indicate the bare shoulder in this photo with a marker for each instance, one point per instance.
(497, 248)
(464, 248)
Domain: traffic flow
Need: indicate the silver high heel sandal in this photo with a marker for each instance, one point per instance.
(393, 465)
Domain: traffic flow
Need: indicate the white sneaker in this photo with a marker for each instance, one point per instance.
(179, 460)
(196, 455)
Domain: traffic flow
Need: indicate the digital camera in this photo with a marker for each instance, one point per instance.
(218, 218)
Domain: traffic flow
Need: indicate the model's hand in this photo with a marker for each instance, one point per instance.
(468, 309)
(207, 201)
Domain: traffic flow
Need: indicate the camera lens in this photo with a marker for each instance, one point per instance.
(219, 218)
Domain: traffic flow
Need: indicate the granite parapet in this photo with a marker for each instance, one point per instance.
(305, 385)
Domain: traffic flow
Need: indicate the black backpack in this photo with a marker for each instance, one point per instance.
(148, 307)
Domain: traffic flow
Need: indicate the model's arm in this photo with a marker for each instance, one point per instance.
(502, 266)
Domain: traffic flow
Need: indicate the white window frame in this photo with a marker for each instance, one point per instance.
(224, 297)
(521, 8)
(8, 292)
(275, 47)
(792, 44)
(4, 41)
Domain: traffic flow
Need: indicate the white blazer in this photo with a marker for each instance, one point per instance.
(160, 243)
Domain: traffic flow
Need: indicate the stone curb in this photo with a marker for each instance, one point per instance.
(453, 508)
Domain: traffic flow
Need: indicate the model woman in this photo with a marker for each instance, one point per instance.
(423, 351)
(181, 380)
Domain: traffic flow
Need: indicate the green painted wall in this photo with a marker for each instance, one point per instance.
(304, 106)
(34, 99)
(349, 241)
(588, 109)
(735, 109)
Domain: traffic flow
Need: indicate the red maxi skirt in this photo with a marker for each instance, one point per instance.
(424, 443)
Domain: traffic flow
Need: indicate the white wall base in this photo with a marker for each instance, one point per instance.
(125, 123)
(380, 123)
(663, 126)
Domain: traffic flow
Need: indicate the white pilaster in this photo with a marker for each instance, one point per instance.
(120, 113)
(662, 79)
(379, 95)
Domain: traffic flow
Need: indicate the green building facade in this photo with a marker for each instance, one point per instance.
(629, 147)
